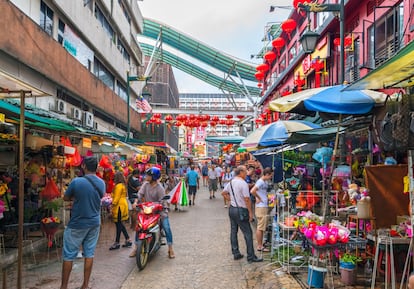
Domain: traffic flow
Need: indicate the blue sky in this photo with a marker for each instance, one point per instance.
(235, 27)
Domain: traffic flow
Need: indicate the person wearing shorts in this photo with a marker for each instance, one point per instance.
(192, 179)
(212, 181)
(204, 172)
(84, 225)
(259, 191)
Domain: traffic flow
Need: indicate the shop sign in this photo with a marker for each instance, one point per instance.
(306, 64)
(87, 143)
(2, 117)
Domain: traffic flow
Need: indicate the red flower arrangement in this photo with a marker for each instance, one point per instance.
(49, 226)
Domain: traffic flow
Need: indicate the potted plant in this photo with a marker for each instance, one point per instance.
(348, 269)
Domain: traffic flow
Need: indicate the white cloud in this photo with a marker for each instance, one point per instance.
(232, 26)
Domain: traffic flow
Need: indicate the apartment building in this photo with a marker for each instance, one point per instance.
(78, 54)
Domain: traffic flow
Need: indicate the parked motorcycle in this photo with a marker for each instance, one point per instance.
(148, 231)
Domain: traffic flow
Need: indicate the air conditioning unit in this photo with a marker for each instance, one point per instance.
(60, 106)
(88, 119)
(76, 113)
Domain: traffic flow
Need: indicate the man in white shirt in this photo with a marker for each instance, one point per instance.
(237, 194)
(212, 181)
(259, 190)
(219, 171)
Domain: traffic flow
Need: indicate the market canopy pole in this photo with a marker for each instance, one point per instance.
(21, 192)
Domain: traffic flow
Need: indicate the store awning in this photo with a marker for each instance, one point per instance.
(55, 126)
(225, 139)
(35, 120)
(397, 72)
(161, 144)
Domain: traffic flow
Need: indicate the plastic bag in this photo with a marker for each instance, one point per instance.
(50, 191)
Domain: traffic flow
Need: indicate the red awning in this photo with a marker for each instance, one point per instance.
(157, 144)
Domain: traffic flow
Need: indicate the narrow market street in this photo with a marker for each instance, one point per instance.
(203, 258)
(203, 255)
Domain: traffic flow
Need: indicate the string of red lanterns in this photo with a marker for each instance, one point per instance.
(192, 120)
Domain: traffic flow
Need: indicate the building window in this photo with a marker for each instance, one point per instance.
(126, 14)
(104, 22)
(103, 74)
(292, 54)
(46, 18)
(123, 51)
(61, 31)
(122, 91)
(388, 35)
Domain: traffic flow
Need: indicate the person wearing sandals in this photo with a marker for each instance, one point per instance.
(153, 191)
(259, 191)
(120, 211)
(85, 220)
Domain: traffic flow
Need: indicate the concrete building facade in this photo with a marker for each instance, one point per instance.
(78, 53)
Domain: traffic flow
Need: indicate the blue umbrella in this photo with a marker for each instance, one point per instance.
(329, 99)
(275, 133)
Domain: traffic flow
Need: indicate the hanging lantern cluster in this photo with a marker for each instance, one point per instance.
(288, 26)
(155, 119)
(168, 118)
(261, 71)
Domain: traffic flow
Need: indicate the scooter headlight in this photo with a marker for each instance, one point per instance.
(147, 210)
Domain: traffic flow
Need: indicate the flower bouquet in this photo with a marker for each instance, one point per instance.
(49, 226)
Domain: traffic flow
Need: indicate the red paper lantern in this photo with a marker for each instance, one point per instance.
(206, 117)
(215, 118)
(259, 84)
(229, 116)
(278, 43)
(240, 116)
(192, 117)
(337, 41)
(168, 117)
(269, 56)
(203, 124)
(213, 123)
(288, 26)
(264, 67)
(157, 115)
(259, 75)
(222, 121)
(230, 122)
(177, 123)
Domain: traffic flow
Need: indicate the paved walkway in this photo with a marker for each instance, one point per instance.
(203, 259)
(203, 255)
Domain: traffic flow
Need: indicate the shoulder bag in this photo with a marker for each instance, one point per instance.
(101, 194)
(243, 212)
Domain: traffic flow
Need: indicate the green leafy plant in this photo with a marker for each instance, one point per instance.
(53, 205)
(350, 258)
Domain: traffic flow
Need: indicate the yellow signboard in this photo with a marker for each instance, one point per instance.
(87, 143)
(2, 117)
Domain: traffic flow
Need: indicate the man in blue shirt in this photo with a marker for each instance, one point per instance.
(83, 228)
(192, 179)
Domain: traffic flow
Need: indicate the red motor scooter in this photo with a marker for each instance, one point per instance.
(148, 231)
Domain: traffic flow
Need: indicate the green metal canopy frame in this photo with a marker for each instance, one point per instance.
(227, 64)
(199, 72)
